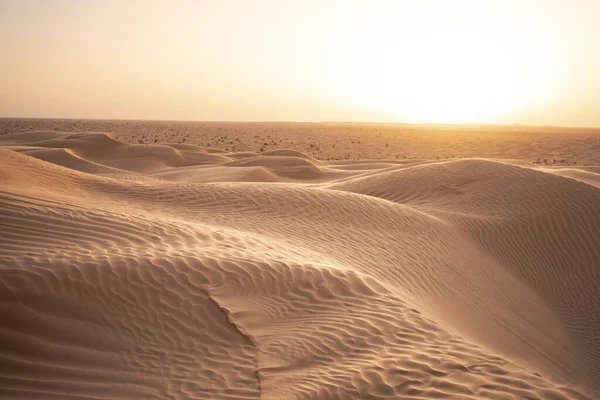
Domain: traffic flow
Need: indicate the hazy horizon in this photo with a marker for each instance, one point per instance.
(349, 122)
(533, 63)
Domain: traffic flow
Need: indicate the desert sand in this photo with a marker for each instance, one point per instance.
(298, 261)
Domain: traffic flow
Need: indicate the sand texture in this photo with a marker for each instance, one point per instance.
(196, 271)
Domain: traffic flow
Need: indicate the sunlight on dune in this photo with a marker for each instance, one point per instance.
(183, 271)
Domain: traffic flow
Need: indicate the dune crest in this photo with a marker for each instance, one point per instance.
(174, 271)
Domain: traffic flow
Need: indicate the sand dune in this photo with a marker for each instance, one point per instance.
(552, 146)
(177, 271)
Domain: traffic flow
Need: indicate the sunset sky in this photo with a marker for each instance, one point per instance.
(511, 61)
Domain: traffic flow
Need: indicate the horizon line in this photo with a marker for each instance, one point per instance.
(457, 124)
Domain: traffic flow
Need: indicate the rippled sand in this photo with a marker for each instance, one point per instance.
(180, 271)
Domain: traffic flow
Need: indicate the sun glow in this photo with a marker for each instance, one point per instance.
(455, 61)
(449, 83)
(456, 68)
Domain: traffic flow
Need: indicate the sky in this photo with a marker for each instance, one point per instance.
(447, 61)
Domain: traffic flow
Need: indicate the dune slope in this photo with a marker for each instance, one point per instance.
(162, 271)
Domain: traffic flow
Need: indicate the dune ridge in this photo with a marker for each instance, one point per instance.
(172, 271)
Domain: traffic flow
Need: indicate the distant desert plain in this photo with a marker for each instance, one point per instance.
(279, 260)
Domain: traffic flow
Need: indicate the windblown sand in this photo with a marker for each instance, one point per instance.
(135, 270)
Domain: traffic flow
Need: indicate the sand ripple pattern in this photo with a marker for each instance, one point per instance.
(125, 273)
